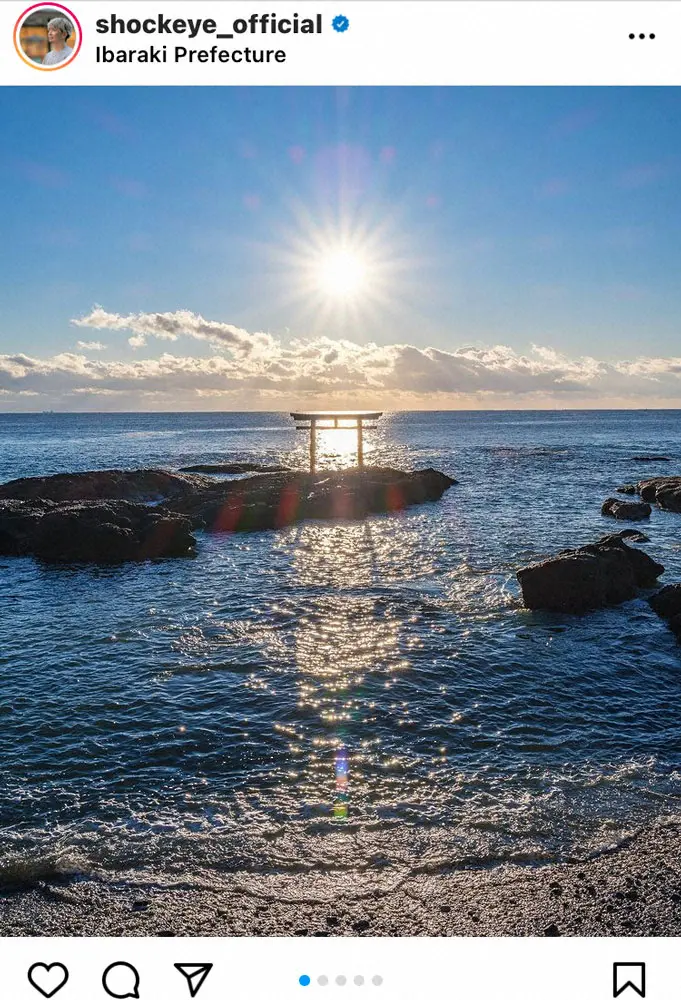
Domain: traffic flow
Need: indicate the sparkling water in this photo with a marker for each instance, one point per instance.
(351, 701)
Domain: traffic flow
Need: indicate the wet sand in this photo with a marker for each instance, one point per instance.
(634, 889)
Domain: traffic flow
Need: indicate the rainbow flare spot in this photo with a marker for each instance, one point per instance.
(340, 806)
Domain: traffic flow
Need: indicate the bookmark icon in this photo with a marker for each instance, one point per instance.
(194, 974)
(629, 976)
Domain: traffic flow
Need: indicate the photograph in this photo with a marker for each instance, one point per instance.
(48, 37)
(340, 466)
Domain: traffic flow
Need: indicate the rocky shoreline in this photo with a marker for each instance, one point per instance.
(633, 889)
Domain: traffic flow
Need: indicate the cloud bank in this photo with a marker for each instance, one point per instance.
(258, 371)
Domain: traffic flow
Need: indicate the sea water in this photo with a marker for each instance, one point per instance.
(350, 701)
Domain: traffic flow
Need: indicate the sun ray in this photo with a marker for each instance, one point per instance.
(342, 273)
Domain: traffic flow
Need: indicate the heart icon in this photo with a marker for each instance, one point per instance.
(48, 979)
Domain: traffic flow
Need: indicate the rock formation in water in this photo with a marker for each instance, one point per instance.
(91, 531)
(136, 485)
(665, 491)
(235, 468)
(623, 510)
(594, 576)
(667, 604)
(273, 500)
(107, 516)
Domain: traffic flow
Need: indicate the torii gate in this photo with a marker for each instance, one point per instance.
(310, 420)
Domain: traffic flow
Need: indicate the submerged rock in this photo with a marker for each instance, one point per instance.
(273, 500)
(630, 488)
(235, 468)
(650, 458)
(141, 485)
(91, 531)
(626, 511)
(606, 572)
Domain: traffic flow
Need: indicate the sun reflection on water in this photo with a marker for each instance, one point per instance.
(345, 646)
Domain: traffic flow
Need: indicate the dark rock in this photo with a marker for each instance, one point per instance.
(91, 531)
(630, 488)
(274, 500)
(18, 523)
(624, 511)
(552, 931)
(669, 497)
(69, 518)
(667, 601)
(235, 468)
(667, 604)
(662, 490)
(607, 572)
(139, 485)
(631, 533)
(650, 458)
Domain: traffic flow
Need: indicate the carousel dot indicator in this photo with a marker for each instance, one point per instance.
(377, 980)
(304, 980)
(359, 980)
(341, 980)
(323, 980)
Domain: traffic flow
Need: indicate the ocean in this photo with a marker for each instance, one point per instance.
(341, 703)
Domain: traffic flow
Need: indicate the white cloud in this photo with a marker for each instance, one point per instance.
(256, 370)
(172, 325)
(91, 345)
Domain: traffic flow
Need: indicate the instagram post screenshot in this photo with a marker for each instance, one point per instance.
(340, 499)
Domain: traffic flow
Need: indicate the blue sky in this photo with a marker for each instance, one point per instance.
(520, 246)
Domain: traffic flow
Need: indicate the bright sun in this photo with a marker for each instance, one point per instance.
(342, 274)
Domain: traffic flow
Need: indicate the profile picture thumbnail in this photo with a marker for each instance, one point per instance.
(47, 36)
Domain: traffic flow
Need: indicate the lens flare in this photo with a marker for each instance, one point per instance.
(340, 806)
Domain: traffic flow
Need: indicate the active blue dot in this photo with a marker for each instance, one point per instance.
(304, 980)
(340, 23)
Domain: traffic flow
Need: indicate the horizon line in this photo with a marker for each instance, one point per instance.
(555, 409)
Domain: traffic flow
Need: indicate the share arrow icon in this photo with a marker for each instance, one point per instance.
(194, 974)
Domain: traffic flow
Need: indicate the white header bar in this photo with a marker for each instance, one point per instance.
(489, 42)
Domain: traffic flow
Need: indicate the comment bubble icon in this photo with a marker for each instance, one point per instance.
(121, 980)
